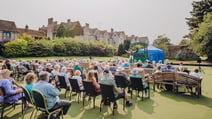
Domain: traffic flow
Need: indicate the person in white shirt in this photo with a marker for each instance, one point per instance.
(196, 73)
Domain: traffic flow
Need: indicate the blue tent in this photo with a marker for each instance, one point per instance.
(154, 54)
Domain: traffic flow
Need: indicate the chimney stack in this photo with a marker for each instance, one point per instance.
(112, 30)
(68, 20)
(50, 21)
(87, 25)
(26, 27)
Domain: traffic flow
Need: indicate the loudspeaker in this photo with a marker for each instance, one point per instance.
(199, 60)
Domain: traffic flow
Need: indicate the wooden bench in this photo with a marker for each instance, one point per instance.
(166, 78)
(173, 80)
(189, 81)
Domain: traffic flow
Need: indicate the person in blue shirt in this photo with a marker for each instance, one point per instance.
(51, 93)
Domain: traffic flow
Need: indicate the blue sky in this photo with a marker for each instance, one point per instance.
(136, 17)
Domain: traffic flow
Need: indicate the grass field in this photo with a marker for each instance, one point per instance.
(161, 105)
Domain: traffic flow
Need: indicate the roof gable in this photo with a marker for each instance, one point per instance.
(7, 25)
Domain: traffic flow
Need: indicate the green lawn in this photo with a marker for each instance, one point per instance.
(161, 105)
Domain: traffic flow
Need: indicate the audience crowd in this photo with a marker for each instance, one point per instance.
(43, 76)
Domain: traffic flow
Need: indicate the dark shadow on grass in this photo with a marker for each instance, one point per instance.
(180, 97)
(75, 109)
(106, 113)
(146, 105)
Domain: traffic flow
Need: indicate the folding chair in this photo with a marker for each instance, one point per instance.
(75, 88)
(107, 93)
(28, 98)
(63, 84)
(90, 91)
(40, 104)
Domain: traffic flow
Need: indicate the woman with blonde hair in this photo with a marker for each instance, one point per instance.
(8, 87)
(91, 78)
(29, 80)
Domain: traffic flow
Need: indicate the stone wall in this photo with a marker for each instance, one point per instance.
(180, 52)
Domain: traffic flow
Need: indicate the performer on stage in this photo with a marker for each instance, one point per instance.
(131, 52)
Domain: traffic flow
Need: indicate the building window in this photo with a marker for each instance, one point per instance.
(6, 35)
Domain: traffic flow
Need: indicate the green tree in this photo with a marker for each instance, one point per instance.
(200, 8)
(26, 37)
(201, 42)
(162, 42)
(121, 50)
(184, 42)
(69, 33)
(126, 44)
(137, 47)
(61, 31)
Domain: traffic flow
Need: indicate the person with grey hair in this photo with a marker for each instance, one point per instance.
(117, 91)
(51, 93)
(64, 73)
(135, 73)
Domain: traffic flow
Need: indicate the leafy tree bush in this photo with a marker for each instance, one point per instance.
(40, 48)
(162, 42)
(109, 50)
(15, 48)
(59, 48)
(201, 38)
(121, 50)
(97, 51)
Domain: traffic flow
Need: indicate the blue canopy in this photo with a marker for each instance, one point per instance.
(154, 54)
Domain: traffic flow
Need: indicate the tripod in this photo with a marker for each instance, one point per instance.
(200, 69)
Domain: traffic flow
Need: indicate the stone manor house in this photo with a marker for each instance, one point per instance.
(91, 34)
(9, 31)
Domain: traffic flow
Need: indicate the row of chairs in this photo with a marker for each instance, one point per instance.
(89, 89)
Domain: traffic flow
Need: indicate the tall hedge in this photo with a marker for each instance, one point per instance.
(58, 47)
(16, 48)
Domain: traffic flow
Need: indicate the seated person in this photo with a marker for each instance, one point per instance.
(29, 79)
(140, 70)
(22, 69)
(149, 65)
(65, 74)
(78, 78)
(195, 73)
(117, 91)
(6, 75)
(49, 67)
(91, 78)
(181, 70)
(9, 89)
(134, 73)
(51, 93)
(158, 69)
